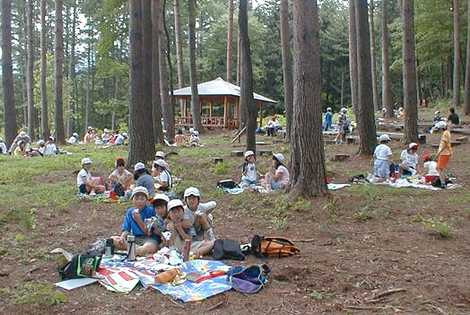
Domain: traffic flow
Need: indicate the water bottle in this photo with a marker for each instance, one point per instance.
(131, 248)
(109, 248)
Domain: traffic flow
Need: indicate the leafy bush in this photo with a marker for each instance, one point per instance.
(38, 293)
(438, 226)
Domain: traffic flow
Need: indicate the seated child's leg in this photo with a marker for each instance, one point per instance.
(202, 224)
(149, 247)
(202, 248)
(100, 189)
(119, 243)
(83, 189)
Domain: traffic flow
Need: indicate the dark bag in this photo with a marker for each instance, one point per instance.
(227, 249)
(248, 279)
(273, 247)
(81, 266)
(227, 184)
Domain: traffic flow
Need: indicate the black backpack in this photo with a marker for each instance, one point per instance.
(80, 266)
(227, 249)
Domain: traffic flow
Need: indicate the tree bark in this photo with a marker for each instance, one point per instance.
(409, 73)
(195, 104)
(307, 149)
(157, 103)
(467, 72)
(387, 97)
(457, 59)
(231, 9)
(59, 73)
(246, 78)
(88, 81)
(375, 92)
(73, 73)
(141, 148)
(30, 68)
(239, 61)
(43, 83)
(286, 64)
(353, 55)
(7, 75)
(147, 55)
(365, 108)
(179, 48)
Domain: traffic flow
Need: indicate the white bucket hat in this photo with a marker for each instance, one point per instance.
(161, 163)
(160, 154)
(86, 161)
(139, 166)
(384, 138)
(280, 157)
(192, 191)
(174, 204)
(161, 197)
(249, 153)
(140, 190)
(413, 145)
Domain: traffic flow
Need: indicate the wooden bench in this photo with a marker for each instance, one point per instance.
(218, 160)
(462, 139)
(237, 153)
(265, 152)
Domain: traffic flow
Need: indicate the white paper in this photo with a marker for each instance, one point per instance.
(75, 283)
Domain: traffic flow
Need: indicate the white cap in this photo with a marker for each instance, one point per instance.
(344, 110)
(329, 109)
(22, 133)
(191, 130)
(437, 112)
(161, 163)
(106, 130)
(384, 138)
(139, 166)
(90, 128)
(249, 153)
(192, 191)
(140, 190)
(124, 134)
(41, 142)
(413, 145)
(86, 161)
(160, 154)
(161, 197)
(51, 138)
(279, 156)
(175, 203)
(196, 133)
(75, 135)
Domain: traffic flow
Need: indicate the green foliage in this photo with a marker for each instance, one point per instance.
(38, 293)
(221, 168)
(438, 226)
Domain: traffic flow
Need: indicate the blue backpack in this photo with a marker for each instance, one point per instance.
(250, 279)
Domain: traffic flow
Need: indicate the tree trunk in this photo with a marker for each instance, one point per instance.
(141, 148)
(88, 83)
(457, 61)
(44, 109)
(286, 63)
(387, 97)
(246, 78)
(164, 84)
(365, 108)
(7, 75)
(231, 9)
(307, 150)
(157, 103)
(239, 61)
(147, 55)
(195, 104)
(467, 72)
(171, 129)
(30, 68)
(353, 55)
(59, 74)
(409, 73)
(375, 92)
(179, 48)
(73, 73)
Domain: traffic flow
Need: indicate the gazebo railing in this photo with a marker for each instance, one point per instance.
(208, 122)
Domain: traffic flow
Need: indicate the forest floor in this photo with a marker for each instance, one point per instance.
(358, 243)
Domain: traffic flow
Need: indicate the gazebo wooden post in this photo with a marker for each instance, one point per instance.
(238, 113)
(225, 112)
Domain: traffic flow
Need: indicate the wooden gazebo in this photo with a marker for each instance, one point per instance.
(220, 104)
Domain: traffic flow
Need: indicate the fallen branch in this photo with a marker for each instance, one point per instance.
(364, 308)
(213, 307)
(378, 297)
(174, 302)
(310, 240)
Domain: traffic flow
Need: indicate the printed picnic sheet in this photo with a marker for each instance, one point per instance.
(122, 276)
(191, 292)
(337, 186)
(410, 182)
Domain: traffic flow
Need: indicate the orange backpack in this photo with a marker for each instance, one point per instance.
(273, 247)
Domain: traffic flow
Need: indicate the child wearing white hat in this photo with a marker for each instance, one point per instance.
(143, 178)
(382, 158)
(85, 182)
(278, 177)
(249, 174)
(409, 160)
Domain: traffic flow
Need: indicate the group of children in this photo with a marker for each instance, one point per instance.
(384, 168)
(343, 125)
(108, 137)
(22, 147)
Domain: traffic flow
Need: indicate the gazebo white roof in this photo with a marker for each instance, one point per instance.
(218, 87)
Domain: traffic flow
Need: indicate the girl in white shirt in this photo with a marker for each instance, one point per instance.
(249, 174)
(409, 160)
(382, 158)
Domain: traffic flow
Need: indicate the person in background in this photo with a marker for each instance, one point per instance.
(328, 119)
(74, 139)
(160, 155)
(199, 214)
(106, 136)
(270, 127)
(409, 160)
(120, 139)
(195, 141)
(343, 126)
(24, 138)
(453, 118)
(20, 150)
(41, 147)
(180, 232)
(382, 158)
(121, 179)
(134, 223)
(87, 185)
(180, 138)
(249, 173)
(143, 178)
(89, 136)
(162, 175)
(160, 203)
(444, 153)
(278, 177)
(51, 148)
(3, 147)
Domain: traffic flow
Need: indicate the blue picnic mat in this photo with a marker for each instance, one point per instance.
(192, 292)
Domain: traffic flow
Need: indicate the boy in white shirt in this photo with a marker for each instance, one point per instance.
(382, 158)
(430, 167)
(409, 160)
(51, 148)
(3, 147)
(85, 183)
